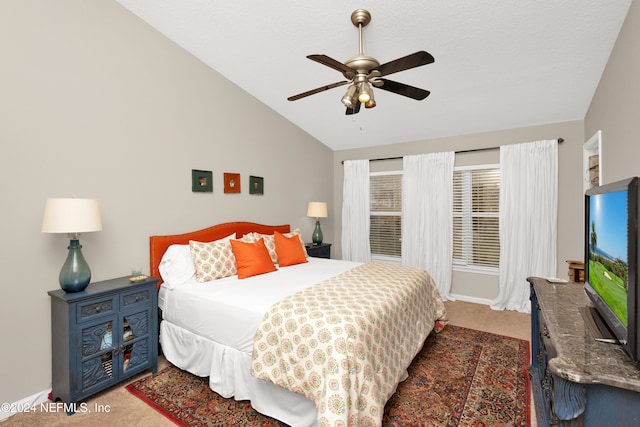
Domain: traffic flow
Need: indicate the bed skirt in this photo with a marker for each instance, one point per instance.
(229, 372)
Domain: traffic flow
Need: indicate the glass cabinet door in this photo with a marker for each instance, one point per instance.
(135, 340)
(97, 354)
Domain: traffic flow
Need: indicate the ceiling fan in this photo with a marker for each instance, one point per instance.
(362, 71)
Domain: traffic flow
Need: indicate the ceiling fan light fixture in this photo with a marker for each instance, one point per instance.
(371, 102)
(362, 71)
(365, 92)
(350, 98)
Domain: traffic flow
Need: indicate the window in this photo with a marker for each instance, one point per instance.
(385, 233)
(476, 205)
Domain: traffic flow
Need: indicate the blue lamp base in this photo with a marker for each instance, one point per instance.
(317, 234)
(75, 274)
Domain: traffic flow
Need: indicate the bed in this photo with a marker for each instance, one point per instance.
(318, 342)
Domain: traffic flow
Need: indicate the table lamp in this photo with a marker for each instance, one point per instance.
(317, 210)
(73, 216)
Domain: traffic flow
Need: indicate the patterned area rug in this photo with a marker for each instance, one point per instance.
(461, 377)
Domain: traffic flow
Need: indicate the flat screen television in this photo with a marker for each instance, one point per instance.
(611, 260)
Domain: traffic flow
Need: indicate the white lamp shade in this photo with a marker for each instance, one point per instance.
(71, 216)
(317, 209)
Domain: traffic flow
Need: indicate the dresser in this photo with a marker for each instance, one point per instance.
(102, 335)
(323, 250)
(576, 380)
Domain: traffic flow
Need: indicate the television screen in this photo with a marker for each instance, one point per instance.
(611, 262)
(608, 263)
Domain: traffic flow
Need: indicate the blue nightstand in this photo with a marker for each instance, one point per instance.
(102, 335)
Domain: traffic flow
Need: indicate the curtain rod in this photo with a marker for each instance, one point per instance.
(560, 141)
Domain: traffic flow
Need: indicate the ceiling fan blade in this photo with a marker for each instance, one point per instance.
(348, 72)
(404, 90)
(406, 62)
(351, 111)
(317, 90)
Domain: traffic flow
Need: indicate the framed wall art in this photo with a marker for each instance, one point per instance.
(201, 181)
(231, 182)
(256, 185)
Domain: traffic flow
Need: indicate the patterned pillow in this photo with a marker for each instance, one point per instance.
(213, 260)
(270, 243)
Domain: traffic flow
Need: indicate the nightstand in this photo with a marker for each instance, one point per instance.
(323, 250)
(102, 335)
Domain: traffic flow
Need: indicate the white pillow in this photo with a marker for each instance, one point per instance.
(177, 267)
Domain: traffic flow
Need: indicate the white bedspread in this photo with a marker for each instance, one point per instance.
(228, 311)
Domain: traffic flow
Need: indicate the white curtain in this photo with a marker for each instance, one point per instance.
(355, 211)
(427, 216)
(528, 220)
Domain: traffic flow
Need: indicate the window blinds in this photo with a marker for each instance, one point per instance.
(386, 214)
(476, 205)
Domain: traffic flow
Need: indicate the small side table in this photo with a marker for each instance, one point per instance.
(323, 250)
(102, 335)
(576, 271)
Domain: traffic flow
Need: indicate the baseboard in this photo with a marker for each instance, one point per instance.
(467, 298)
(9, 409)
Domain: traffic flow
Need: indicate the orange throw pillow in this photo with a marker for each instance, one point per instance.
(252, 259)
(289, 250)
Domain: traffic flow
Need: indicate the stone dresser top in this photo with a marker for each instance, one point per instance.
(580, 358)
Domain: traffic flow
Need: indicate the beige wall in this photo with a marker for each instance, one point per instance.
(483, 287)
(94, 103)
(615, 108)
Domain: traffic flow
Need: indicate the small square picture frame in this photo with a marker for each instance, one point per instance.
(231, 182)
(201, 181)
(256, 185)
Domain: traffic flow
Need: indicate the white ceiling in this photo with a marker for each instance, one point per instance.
(498, 64)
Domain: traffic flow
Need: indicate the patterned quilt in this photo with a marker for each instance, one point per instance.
(346, 343)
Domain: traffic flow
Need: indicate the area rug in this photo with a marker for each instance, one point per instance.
(461, 377)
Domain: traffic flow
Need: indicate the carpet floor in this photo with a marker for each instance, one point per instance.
(461, 377)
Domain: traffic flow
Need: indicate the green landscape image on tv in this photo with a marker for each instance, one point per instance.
(608, 264)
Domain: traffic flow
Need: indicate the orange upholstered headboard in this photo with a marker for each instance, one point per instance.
(159, 244)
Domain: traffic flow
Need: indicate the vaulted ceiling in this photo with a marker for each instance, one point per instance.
(498, 64)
